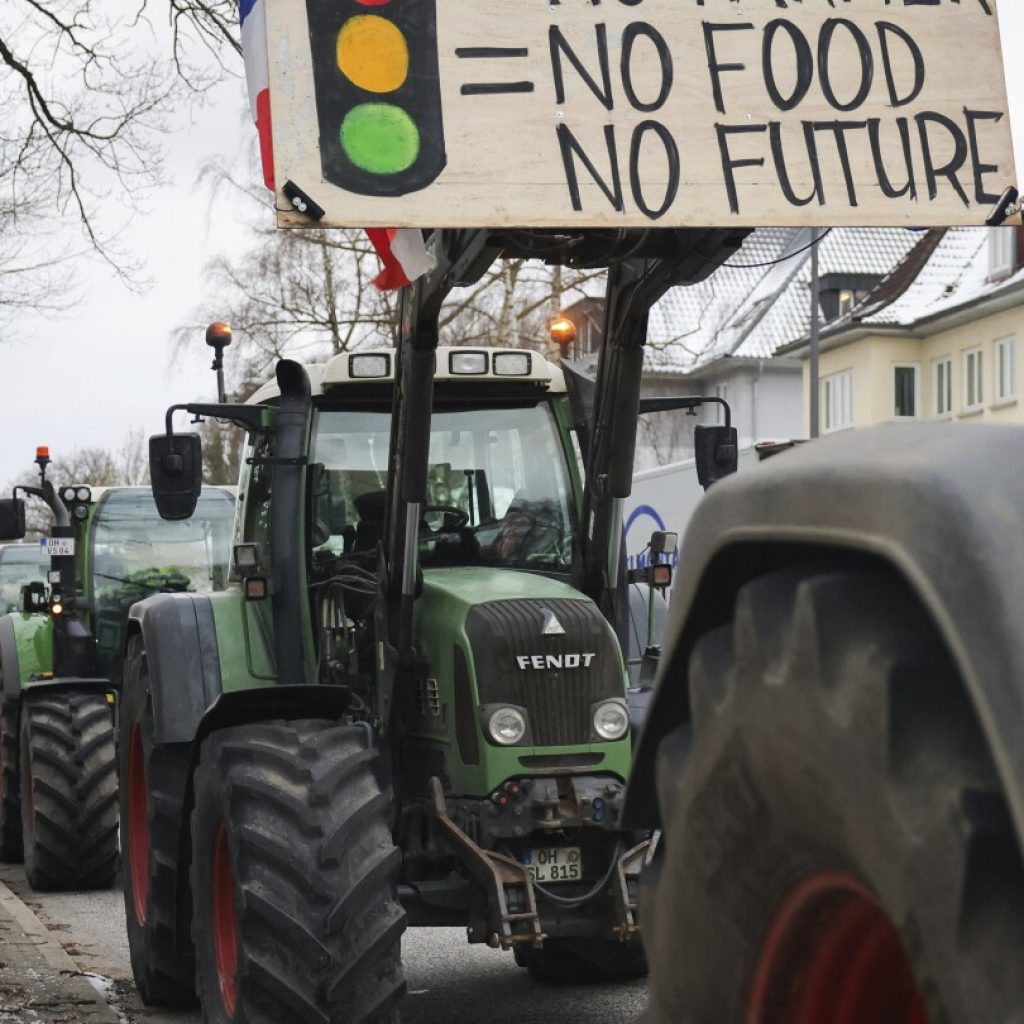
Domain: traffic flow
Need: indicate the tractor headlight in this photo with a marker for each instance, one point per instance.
(83, 494)
(507, 726)
(611, 720)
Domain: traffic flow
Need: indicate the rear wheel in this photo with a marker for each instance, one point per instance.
(10, 784)
(294, 878)
(68, 791)
(836, 846)
(583, 961)
(152, 808)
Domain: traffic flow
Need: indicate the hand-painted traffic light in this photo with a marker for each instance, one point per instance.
(378, 97)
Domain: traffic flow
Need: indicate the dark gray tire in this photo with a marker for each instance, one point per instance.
(68, 791)
(10, 785)
(153, 781)
(290, 840)
(835, 768)
(584, 961)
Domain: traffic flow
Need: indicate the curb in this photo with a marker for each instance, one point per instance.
(38, 979)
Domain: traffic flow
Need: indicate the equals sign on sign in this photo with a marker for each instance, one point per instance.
(493, 53)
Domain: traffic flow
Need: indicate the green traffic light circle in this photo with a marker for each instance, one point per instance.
(380, 138)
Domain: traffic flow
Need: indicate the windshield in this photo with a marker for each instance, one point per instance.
(497, 487)
(136, 553)
(19, 564)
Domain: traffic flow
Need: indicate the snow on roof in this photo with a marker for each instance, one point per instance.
(954, 273)
(749, 309)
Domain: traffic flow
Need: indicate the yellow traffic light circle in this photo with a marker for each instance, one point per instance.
(373, 54)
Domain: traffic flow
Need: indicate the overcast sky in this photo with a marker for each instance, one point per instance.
(89, 378)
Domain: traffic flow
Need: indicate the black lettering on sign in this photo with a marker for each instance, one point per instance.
(839, 130)
(867, 62)
(811, 143)
(729, 164)
(672, 157)
(571, 149)
(559, 45)
(716, 69)
(981, 197)
(932, 170)
(804, 60)
(884, 181)
(885, 30)
(629, 38)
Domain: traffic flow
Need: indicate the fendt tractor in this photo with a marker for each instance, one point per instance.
(61, 658)
(412, 707)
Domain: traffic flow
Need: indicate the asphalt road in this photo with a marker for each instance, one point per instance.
(450, 982)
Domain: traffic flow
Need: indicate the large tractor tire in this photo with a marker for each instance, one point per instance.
(68, 791)
(10, 784)
(296, 918)
(583, 961)
(153, 783)
(836, 843)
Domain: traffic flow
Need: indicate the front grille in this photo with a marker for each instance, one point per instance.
(558, 701)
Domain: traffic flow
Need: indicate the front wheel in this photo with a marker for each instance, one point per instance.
(68, 791)
(10, 784)
(836, 843)
(294, 878)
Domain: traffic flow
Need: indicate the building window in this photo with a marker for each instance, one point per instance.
(943, 384)
(1006, 370)
(973, 391)
(838, 391)
(1002, 251)
(906, 387)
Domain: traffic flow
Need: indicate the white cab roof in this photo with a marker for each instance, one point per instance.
(347, 368)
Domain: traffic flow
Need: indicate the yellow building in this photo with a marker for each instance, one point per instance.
(938, 338)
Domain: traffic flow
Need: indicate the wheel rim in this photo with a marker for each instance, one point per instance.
(225, 927)
(138, 824)
(831, 953)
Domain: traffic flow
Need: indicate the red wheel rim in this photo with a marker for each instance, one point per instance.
(832, 954)
(138, 824)
(225, 926)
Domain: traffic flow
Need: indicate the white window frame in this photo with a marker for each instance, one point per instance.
(1007, 394)
(978, 377)
(937, 387)
(1002, 251)
(838, 415)
(916, 367)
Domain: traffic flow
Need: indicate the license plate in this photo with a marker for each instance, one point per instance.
(554, 863)
(60, 546)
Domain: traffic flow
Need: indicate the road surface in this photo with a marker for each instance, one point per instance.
(450, 982)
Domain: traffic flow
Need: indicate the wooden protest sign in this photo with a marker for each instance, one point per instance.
(639, 113)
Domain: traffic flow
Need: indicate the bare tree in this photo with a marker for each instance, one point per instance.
(85, 93)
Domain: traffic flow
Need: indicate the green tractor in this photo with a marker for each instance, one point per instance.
(19, 564)
(60, 664)
(413, 707)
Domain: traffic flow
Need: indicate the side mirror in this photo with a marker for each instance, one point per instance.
(32, 597)
(176, 471)
(12, 518)
(716, 452)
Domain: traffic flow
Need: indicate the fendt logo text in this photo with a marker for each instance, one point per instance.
(543, 661)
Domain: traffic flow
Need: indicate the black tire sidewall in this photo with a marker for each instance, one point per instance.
(211, 812)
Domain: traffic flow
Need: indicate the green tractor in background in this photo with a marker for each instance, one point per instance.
(60, 664)
(19, 564)
(413, 707)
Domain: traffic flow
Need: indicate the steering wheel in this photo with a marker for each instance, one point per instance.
(460, 517)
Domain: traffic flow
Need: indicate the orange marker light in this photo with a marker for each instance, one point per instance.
(218, 332)
(42, 452)
(563, 332)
